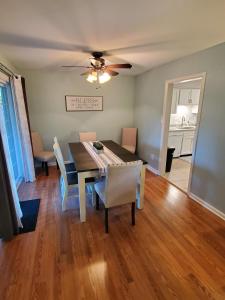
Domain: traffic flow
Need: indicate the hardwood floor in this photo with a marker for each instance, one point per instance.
(176, 250)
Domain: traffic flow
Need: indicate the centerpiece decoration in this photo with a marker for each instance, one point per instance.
(98, 147)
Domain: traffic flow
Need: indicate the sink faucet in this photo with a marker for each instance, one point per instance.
(183, 121)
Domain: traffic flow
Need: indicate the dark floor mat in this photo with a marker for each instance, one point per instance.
(30, 209)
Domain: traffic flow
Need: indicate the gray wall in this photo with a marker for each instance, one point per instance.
(46, 100)
(46, 91)
(7, 63)
(208, 181)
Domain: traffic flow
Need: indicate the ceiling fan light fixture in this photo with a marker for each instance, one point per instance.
(104, 77)
(99, 72)
(92, 77)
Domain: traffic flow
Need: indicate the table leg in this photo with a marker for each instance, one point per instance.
(82, 197)
(140, 202)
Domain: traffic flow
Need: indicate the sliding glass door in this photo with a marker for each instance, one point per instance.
(11, 125)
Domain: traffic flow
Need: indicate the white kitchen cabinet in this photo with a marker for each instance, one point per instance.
(175, 100)
(195, 95)
(182, 141)
(185, 95)
(187, 143)
(175, 141)
(189, 96)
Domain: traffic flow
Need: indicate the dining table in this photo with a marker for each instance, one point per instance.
(87, 167)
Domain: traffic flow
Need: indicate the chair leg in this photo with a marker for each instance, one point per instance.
(93, 194)
(106, 220)
(64, 200)
(133, 213)
(46, 168)
(97, 201)
(61, 185)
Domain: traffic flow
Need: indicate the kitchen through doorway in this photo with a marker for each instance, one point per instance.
(181, 122)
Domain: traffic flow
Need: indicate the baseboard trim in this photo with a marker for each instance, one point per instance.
(152, 170)
(52, 163)
(207, 206)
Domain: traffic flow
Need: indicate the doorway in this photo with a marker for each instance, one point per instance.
(180, 124)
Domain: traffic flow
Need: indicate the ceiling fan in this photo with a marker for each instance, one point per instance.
(98, 71)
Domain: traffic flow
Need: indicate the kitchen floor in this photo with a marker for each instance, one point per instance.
(179, 174)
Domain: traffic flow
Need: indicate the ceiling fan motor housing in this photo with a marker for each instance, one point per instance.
(97, 54)
(97, 61)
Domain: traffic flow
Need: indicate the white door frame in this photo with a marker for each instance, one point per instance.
(166, 121)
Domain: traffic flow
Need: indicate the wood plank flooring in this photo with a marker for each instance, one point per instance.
(175, 251)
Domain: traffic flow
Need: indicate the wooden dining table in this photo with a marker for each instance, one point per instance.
(87, 167)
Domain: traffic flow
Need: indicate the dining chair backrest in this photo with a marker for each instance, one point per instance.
(60, 161)
(36, 142)
(59, 148)
(87, 136)
(121, 183)
(129, 137)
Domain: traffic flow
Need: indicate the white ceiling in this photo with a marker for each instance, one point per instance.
(46, 34)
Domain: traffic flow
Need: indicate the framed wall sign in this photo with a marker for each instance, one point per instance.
(84, 103)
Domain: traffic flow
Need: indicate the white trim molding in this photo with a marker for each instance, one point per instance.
(51, 163)
(207, 206)
(152, 169)
(166, 120)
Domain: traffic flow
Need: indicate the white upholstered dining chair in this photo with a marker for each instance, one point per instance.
(69, 166)
(39, 152)
(119, 187)
(69, 181)
(87, 136)
(129, 139)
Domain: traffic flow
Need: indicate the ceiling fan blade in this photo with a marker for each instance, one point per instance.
(75, 67)
(112, 73)
(85, 73)
(120, 66)
(139, 48)
(36, 43)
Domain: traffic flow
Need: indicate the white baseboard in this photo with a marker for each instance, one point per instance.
(152, 170)
(208, 206)
(52, 163)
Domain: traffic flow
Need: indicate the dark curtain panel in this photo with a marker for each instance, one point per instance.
(8, 224)
(26, 105)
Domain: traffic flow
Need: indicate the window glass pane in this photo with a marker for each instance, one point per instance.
(10, 121)
(0, 95)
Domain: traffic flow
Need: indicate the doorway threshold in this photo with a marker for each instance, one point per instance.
(179, 174)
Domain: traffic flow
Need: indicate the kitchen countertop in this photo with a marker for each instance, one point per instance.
(178, 128)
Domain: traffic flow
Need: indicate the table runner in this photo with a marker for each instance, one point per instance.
(107, 157)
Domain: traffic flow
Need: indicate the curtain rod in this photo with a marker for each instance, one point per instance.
(7, 71)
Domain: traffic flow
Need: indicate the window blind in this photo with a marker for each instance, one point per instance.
(4, 79)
